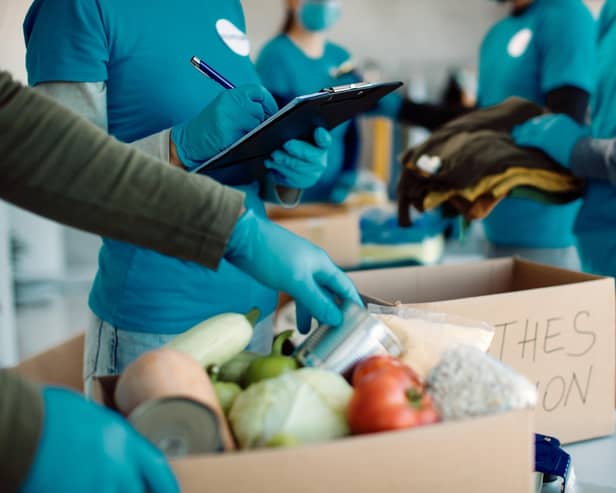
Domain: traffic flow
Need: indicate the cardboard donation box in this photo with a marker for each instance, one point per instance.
(554, 326)
(334, 228)
(469, 456)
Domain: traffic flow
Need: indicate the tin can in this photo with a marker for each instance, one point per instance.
(179, 426)
(340, 348)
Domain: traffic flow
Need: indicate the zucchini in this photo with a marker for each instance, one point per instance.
(218, 339)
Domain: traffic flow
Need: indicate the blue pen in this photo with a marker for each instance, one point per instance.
(208, 71)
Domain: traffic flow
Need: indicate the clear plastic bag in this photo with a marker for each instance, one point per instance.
(425, 335)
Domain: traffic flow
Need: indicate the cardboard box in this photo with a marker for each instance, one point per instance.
(554, 326)
(472, 456)
(333, 228)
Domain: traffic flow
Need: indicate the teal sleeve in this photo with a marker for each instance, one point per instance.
(271, 64)
(66, 40)
(568, 48)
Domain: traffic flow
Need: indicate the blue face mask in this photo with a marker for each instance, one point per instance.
(319, 16)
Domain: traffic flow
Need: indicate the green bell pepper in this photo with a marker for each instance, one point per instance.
(273, 365)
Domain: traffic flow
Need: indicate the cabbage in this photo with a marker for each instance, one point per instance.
(304, 406)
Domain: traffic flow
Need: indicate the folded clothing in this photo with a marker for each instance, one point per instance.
(478, 201)
(472, 163)
(383, 241)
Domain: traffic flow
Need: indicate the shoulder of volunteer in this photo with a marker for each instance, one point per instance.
(563, 15)
(272, 50)
(66, 40)
(68, 10)
(273, 66)
(21, 418)
(338, 53)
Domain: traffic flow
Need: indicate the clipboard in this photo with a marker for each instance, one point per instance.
(297, 120)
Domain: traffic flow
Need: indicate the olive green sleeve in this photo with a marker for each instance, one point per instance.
(21, 417)
(58, 165)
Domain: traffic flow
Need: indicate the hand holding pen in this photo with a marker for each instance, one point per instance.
(237, 111)
(227, 118)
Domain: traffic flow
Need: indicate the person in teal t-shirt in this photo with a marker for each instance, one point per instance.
(590, 156)
(301, 60)
(545, 52)
(125, 66)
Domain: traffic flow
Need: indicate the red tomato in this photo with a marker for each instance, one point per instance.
(376, 364)
(389, 399)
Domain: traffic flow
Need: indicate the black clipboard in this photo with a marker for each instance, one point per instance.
(297, 120)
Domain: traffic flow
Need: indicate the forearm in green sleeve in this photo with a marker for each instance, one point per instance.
(595, 158)
(21, 417)
(56, 164)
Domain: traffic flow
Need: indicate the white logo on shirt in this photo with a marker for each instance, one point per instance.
(233, 37)
(519, 43)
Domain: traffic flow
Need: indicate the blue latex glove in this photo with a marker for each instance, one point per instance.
(227, 118)
(556, 135)
(300, 164)
(283, 261)
(84, 447)
(343, 187)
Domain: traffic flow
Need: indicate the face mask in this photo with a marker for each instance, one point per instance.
(319, 16)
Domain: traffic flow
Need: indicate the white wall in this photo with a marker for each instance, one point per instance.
(44, 240)
(8, 339)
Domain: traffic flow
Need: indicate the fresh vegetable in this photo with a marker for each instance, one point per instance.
(467, 382)
(218, 339)
(303, 406)
(167, 373)
(273, 365)
(226, 392)
(234, 369)
(282, 440)
(375, 363)
(162, 373)
(387, 397)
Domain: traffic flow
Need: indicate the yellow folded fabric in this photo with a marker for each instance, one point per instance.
(500, 185)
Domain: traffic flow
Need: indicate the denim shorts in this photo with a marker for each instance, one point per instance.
(109, 349)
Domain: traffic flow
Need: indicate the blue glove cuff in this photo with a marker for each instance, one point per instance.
(177, 135)
(242, 233)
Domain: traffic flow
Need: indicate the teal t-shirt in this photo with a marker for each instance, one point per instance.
(142, 50)
(288, 72)
(595, 227)
(549, 45)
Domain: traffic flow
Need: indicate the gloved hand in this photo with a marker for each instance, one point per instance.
(283, 261)
(84, 447)
(343, 187)
(300, 164)
(556, 135)
(231, 115)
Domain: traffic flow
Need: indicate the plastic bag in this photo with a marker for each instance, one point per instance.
(425, 335)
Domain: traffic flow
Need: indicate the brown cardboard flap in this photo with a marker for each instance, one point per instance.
(334, 229)
(62, 365)
(530, 275)
(427, 283)
(474, 456)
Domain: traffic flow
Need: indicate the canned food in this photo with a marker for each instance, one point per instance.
(338, 349)
(179, 426)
